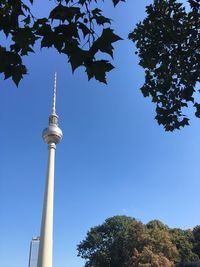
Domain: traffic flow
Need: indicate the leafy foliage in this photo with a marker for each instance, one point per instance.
(125, 242)
(196, 246)
(160, 240)
(77, 29)
(147, 258)
(106, 245)
(168, 45)
(184, 241)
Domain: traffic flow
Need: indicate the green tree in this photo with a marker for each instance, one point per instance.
(184, 241)
(112, 243)
(168, 45)
(125, 242)
(147, 258)
(160, 240)
(196, 241)
(77, 29)
(122, 241)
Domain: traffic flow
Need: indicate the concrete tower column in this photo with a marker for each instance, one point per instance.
(46, 235)
(51, 135)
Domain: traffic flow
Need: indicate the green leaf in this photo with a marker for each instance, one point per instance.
(48, 40)
(109, 36)
(27, 20)
(68, 31)
(98, 70)
(115, 2)
(101, 20)
(65, 13)
(18, 74)
(40, 22)
(77, 58)
(24, 38)
(104, 42)
(197, 113)
(96, 11)
(11, 58)
(85, 30)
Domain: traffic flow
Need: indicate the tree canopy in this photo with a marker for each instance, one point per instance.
(123, 241)
(168, 45)
(167, 42)
(77, 29)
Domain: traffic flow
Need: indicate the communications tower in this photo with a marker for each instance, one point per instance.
(52, 135)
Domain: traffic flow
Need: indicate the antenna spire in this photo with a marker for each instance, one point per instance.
(54, 95)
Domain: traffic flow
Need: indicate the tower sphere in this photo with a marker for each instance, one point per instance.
(52, 134)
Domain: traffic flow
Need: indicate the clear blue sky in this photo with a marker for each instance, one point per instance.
(114, 159)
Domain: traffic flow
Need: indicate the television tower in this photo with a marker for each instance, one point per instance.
(52, 135)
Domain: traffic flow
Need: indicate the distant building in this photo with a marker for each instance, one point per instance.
(33, 255)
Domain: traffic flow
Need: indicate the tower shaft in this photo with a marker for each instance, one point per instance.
(46, 235)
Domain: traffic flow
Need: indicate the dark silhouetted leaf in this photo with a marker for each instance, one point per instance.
(65, 13)
(115, 2)
(98, 70)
